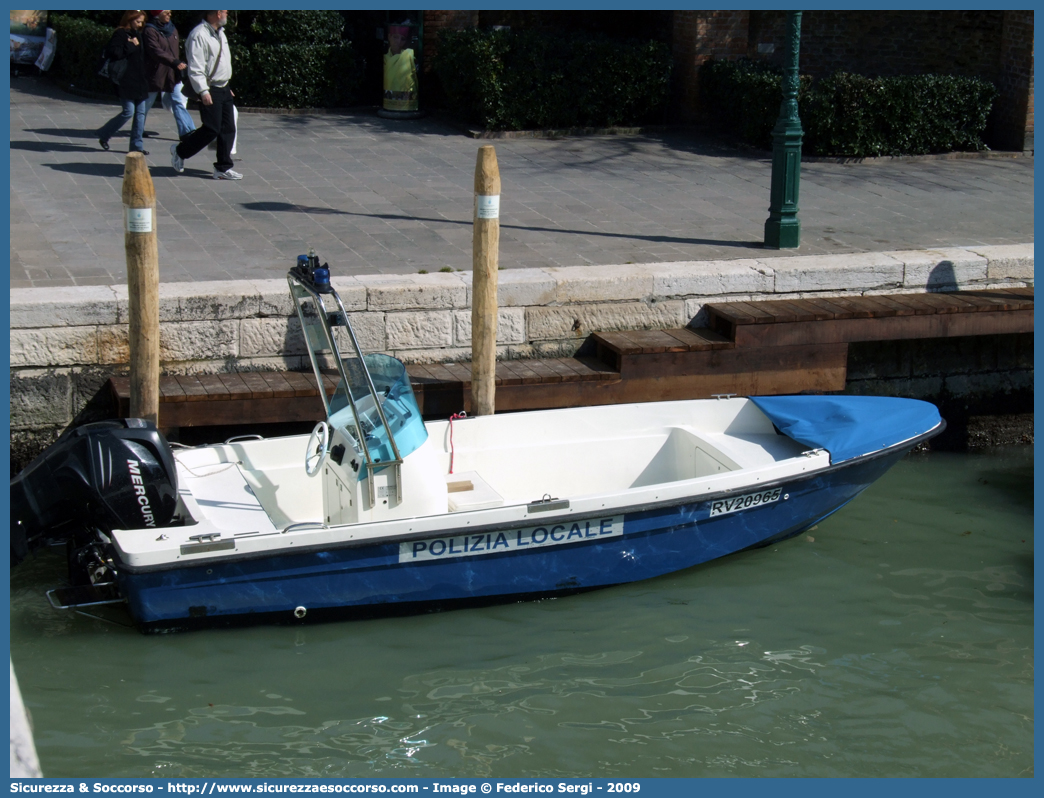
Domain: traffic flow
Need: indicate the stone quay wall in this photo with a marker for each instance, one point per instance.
(67, 342)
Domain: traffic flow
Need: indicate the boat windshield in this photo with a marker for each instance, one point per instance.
(396, 398)
(372, 401)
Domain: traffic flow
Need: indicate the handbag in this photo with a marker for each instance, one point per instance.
(113, 69)
(186, 84)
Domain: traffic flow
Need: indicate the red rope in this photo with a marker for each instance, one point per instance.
(454, 417)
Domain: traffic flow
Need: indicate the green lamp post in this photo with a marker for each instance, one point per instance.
(782, 228)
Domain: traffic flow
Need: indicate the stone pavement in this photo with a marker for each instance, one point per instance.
(376, 196)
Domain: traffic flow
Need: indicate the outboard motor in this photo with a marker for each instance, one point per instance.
(117, 474)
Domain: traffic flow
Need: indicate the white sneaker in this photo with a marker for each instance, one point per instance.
(229, 175)
(176, 160)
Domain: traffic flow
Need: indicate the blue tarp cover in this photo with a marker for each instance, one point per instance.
(848, 426)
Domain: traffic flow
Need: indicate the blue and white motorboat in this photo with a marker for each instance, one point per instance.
(378, 511)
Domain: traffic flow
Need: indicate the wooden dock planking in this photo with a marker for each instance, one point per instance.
(746, 312)
(548, 371)
(255, 383)
(653, 341)
(947, 303)
(831, 357)
(1008, 299)
(898, 308)
(683, 339)
(169, 388)
(528, 371)
(723, 372)
(236, 386)
(619, 342)
(214, 387)
(872, 307)
(302, 384)
(802, 310)
(701, 338)
(833, 310)
(770, 347)
(191, 388)
(420, 375)
(438, 371)
(507, 374)
(595, 370)
(882, 317)
(890, 328)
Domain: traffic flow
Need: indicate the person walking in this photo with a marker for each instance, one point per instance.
(133, 89)
(163, 67)
(209, 72)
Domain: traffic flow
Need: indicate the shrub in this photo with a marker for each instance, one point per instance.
(283, 59)
(909, 115)
(292, 59)
(745, 96)
(852, 115)
(470, 68)
(294, 27)
(534, 79)
(109, 19)
(295, 75)
(80, 45)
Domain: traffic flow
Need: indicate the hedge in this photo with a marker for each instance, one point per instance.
(300, 74)
(745, 96)
(909, 115)
(295, 75)
(516, 80)
(852, 115)
(291, 27)
(78, 52)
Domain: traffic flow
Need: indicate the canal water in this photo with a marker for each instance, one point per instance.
(896, 638)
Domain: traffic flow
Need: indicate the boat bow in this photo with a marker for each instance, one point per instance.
(851, 426)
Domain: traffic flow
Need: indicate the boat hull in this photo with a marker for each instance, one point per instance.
(564, 554)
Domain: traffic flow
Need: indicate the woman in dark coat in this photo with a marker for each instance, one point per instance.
(126, 43)
(163, 67)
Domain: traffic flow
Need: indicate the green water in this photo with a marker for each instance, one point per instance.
(893, 639)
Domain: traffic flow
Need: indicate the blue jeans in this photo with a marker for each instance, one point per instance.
(174, 101)
(131, 109)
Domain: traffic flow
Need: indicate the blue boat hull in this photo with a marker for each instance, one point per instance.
(489, 565)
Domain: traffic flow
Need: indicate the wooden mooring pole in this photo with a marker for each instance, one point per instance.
(485, 262)
(139, 217)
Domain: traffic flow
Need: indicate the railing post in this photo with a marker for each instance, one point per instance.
(139, 217)
(485, 258)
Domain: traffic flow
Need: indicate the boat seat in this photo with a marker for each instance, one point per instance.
(468, 491)
(220, 495)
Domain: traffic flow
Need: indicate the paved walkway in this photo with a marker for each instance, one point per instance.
(378, 196)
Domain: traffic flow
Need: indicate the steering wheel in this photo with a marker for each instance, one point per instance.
(315, 452)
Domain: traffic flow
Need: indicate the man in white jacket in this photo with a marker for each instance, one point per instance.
(209, 72)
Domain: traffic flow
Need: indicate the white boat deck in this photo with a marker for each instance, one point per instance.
(258, 494)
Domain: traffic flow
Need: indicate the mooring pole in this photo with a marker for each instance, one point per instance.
(485, 258)
(782, 228)
(139, 217)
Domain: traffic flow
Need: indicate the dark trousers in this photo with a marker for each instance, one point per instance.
(217, 121)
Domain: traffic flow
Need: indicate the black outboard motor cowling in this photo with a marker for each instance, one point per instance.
(117, 474)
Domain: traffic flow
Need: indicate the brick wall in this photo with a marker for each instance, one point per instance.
(697, 37)
(1011, 124)
(437, 21)
(995, 45)
(886, 43)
